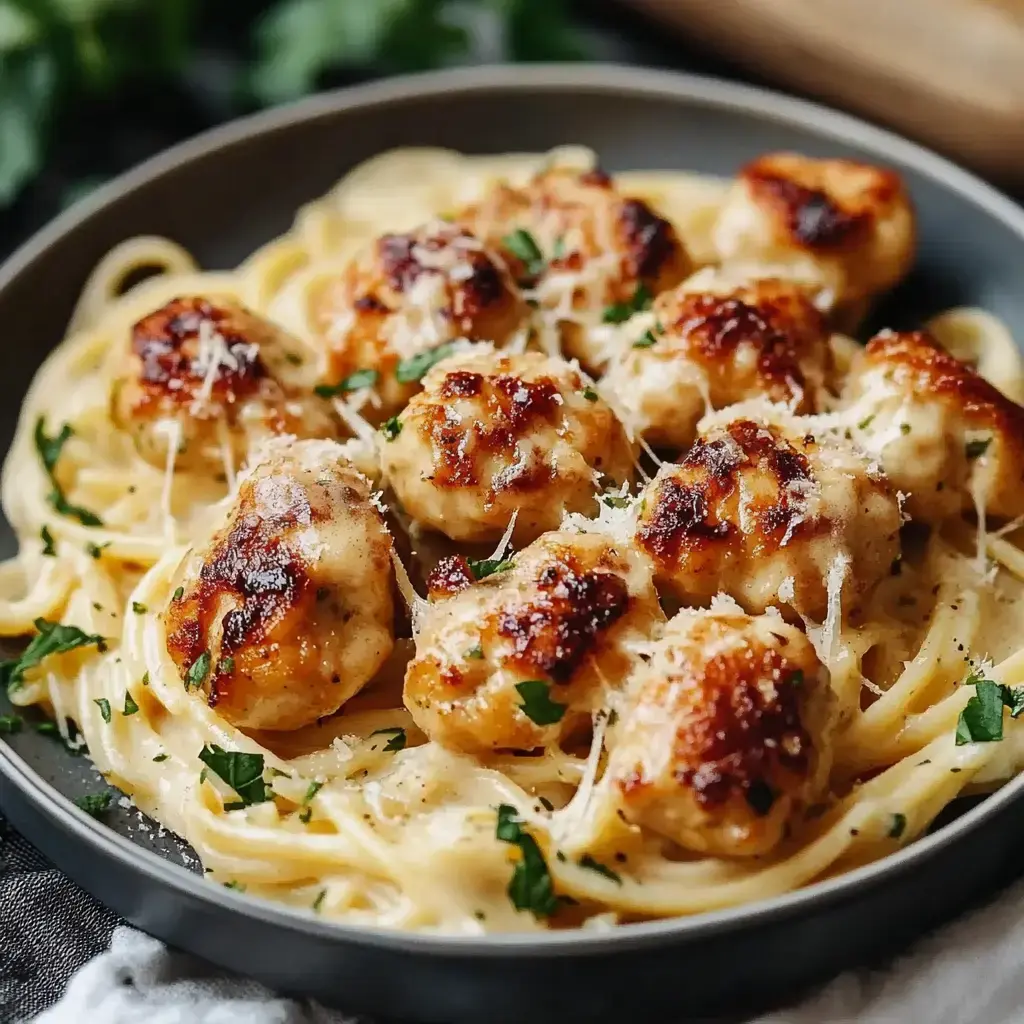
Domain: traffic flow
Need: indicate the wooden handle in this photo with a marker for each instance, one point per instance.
(947, 72)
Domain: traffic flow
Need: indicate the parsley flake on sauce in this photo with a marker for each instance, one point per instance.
(52, 638)
(47, 538)
(524, 247)
(537, 703)
(391, 428)
(590, 394)
(397, 741)
(130, 707)
(353, 382)
(976, 448)
(414, 369)
(94, 803)
(197, 671)
(139, 608)
(591, 864)
(981, 720)
(10, 724)
(104, 705)
(530, 887)
(49, 449)
(242, 771)
(620, 312)
(897, 826)
(481, 568)
(646, 340)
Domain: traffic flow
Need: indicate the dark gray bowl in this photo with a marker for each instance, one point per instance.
(233, 188)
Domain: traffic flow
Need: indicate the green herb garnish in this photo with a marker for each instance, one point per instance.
(981, 720)
(531, 887)
(537, 703)
(353, 382)
(590, 394)
(314, 788)
(413, 369)
(130, 707)
(483, 567)
(197, 671)
(523, 246)
(49, 449)
(397, 741)
(616, 500)
(104, 705)
(47, 538)
(226, 666)
(976, 448)
(96, 550)
(475, 653)
(897, 826)
(586, 861)
(178, 594)
(620, 312)
(646, 340)
(242, 771)
(391, 428)
(10, 724)
(139, 609)
(161, 757)
(319, 901)
(53, 638)
(94, 803)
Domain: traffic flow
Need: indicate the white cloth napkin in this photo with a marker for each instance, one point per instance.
(970, 973)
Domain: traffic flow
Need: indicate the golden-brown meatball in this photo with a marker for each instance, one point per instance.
(724, 733)
(584, 250)
(406, 295)
(771, 516)
(288, 611)
(718, 342)
(521, 658)
(847, 225)
(211, 377)
(493, 433)
(945, 436)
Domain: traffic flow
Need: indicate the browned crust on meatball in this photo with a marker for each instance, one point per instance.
(258, 577)
(650, 241)
(449, 577)
(687, 512)
(513, 406)
(166, 345)
(552, 634)
(917, 362)
(739, 722)
(813, 217)
(778, 320)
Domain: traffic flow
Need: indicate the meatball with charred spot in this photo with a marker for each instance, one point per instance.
(492, 435)
(582, 248)
(407, 295)
(211, 377)
(946, 437)
(520, 659)
(712, 341)
(289, 610)
(771, 515)
(848, 226)
(724, 733)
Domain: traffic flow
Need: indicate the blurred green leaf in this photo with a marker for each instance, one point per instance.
(27, 83)
(539, 30)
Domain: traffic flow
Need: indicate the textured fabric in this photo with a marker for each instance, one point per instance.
(48, 929)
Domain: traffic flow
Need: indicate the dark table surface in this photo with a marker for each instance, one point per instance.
(48, 926)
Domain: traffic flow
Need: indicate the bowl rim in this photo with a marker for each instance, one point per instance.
(679, 87)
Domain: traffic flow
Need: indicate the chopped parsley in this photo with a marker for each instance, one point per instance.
(319, 901)
(306, 815)
(523, 246)
(236, 885)
(904, 429)
(104, 705)
(130, 707)
(981, 720)
(53, 638)
(49, 449)
(391, 428)
(96, 550)
(588, 862)
(353, 382)
(620, 312)
(976, 448)
(226, 666)
(646, 340)
(145, 679)
(197, 671)
(531, 887)
(476, 652)
(242, 771)
(314, 788)
(481, 568)
(590, 394)
(413, 369)
(138, 608)
(161, 757)
(397, 741)
(537, 703)
(866, 422)
(94, 803)
(558, 249)
(897, 826)
(10, 724)
(47, 538)
(615, 500)
(178, 594)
